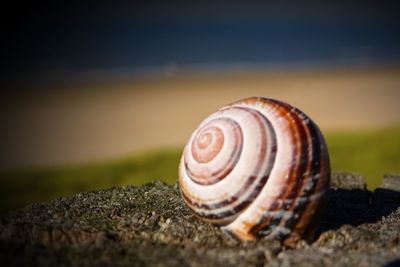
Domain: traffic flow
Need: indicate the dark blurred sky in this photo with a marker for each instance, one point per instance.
(73, 37)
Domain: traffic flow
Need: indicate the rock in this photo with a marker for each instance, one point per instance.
(391, 181)
(348, 181)
(349, 201)
(387, 198)
(150, 226)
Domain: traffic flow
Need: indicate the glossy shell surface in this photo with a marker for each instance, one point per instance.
(259, 168)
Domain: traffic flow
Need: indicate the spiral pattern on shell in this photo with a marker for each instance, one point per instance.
(259, 168)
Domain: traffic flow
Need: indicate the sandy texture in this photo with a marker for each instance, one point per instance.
(150, 226)
(69, 122)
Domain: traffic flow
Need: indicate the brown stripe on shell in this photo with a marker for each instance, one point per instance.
(294, 180)
(303, 211)
(318, 181)
(306, 224)
(304, 168)
(308, 190)
(203, 140)
(225, 169)
(235, 209)
(257, 169)
(283, 112)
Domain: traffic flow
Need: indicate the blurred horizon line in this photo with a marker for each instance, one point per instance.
(174, 69)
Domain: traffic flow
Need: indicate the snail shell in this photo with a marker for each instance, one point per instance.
(259, 168)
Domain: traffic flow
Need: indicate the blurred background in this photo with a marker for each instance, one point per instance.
(98, 94)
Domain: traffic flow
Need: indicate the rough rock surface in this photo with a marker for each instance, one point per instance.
(150, 226)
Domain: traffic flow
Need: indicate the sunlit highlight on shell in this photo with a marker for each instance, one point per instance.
(259, 168)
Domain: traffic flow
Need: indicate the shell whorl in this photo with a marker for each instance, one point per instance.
(258, 167)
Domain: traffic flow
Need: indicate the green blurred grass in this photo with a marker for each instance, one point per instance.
(370, 153)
